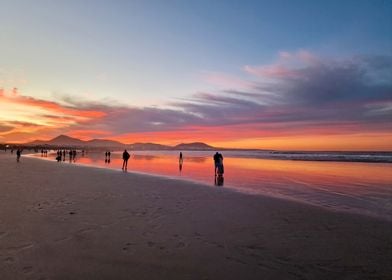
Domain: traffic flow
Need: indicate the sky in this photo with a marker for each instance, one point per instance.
(287, 75)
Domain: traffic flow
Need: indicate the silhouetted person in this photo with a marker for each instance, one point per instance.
(221, 169)
(180, 161)
(218, 162)
(18, 154)
(109, 156)
(125, 157)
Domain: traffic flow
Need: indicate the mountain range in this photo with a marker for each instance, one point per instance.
(65, 141)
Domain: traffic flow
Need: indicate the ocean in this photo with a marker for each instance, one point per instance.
(355, 182)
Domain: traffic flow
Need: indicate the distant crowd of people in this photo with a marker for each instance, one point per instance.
(61, 155)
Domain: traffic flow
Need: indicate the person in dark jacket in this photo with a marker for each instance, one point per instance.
(125, 157)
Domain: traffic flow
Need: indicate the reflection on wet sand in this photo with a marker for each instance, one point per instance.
(219, 180)
(353, 186)
(144, 157)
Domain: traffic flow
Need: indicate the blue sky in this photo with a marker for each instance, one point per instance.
(156, 53)
(161, 48)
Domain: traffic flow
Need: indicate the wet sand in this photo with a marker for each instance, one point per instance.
(62, 221)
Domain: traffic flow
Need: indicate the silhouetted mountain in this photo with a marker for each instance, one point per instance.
(148, 146)
(193, 146)
(36, 143)
(66, 141)
(103, 143)
(61, 140)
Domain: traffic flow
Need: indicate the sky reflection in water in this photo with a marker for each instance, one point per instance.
(364, 188)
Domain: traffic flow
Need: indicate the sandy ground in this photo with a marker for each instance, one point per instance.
(61, 221)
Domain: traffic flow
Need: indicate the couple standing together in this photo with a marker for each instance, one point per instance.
(218, 160)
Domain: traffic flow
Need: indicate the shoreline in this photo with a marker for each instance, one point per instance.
(227, 187)
(85, 223)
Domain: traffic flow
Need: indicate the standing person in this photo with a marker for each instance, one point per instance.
(220, 165)
(125, 157)
(180, 160)
(216, 162)
(18, 153)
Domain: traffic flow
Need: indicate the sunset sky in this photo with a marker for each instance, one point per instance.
(309, 75)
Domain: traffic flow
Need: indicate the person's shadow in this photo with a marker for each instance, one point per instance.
(219, 180)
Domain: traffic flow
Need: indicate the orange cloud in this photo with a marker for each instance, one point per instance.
(52, 106)
(88, 134)
(29, 116)
(248, 137)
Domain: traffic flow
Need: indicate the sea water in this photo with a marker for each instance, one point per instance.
(353, 182)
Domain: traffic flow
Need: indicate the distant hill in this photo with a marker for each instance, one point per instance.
(193, 146)
(103, 143)
(61, 140)
(148, 146)
(65, 141)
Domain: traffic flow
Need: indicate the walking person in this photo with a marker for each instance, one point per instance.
(18, 154)
(125, 157)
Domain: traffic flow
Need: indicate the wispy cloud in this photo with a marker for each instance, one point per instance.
(299, 94)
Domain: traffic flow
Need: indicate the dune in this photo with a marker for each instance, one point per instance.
(63, 221)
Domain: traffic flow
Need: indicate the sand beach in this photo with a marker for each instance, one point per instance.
(61, 221)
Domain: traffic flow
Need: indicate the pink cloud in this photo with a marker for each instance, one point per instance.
(272, 71)
(287, 65)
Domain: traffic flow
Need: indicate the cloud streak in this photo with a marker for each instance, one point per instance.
(299, 94)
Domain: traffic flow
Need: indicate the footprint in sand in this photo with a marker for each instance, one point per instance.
(20, 247)
(27, 269)
(9, 260)
(236, 260)
(128, 248)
